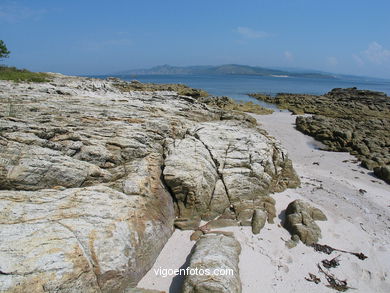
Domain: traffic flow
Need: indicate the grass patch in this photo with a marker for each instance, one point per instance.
(22, 75)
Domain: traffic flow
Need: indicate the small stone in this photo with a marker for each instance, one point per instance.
(258, 220)
(196, 235)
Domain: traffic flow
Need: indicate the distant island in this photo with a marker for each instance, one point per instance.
(228, 69)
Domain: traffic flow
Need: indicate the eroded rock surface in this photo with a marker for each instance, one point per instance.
(83, 207)
(226, 167)
(215, 258)
(92, 179)
(300, 220)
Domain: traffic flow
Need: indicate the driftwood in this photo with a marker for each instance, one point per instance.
(328, 250)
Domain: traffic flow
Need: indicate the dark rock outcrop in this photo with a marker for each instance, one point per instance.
(348, 120)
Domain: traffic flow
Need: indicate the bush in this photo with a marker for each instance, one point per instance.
(22, 75)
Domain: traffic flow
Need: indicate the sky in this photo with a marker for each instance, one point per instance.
(103, 37)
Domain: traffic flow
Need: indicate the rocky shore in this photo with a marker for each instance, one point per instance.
(94, 176)
(100, 178)
(347, 120)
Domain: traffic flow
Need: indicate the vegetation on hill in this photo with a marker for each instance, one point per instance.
(227, 69)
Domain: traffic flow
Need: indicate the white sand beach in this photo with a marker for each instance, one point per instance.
(355, 203)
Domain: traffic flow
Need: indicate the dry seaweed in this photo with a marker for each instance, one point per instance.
(334, 262)
(313, 278)
(334, 283)
(328, 250)
(323, 248)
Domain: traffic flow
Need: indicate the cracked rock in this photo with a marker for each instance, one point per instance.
(300, 221)
(223, 164)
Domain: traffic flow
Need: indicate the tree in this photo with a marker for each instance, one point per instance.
(4, 53)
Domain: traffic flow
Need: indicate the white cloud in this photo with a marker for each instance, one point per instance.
(249, 33)
(12, 12)
(332, 61)
(289, 56)
(376, 53)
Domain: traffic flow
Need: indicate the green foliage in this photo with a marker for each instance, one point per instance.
(22, 75)
(4, 53)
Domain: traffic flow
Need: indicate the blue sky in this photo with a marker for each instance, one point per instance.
(93, 37)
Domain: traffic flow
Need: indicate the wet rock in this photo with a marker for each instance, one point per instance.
(300, 217)
(214, 252)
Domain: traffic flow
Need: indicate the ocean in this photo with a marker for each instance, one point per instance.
(238, 86)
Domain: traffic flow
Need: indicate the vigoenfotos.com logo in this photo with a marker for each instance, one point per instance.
(165, 272)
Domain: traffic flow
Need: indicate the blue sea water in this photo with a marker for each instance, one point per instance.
(238, 86)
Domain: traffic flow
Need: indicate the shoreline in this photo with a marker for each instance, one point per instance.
(355, 203)
(331, 185)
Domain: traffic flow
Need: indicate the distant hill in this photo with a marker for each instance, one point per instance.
(233, 69)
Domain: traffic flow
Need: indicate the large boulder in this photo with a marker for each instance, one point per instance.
(383, 172)
(214, 265)
(226, 164)
(83, 239)
(93, 177)
(83, 207)
(300, 221)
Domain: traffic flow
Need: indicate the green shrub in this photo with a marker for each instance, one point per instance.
(22, 75)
